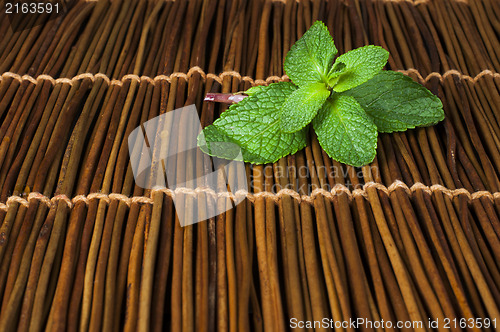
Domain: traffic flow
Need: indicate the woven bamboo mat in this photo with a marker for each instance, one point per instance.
(413, 236)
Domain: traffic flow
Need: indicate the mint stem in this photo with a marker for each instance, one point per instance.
(226, 98)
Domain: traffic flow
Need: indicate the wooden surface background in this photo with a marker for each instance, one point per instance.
(415, 235)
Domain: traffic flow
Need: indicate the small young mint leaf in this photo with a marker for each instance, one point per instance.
(254, 124)
(333, 75)
(395, 102)
(345, 132)
(337, 69)
(361, 64)
(302, 106)
(311, 57)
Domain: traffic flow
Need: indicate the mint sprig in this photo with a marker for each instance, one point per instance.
(348, 100)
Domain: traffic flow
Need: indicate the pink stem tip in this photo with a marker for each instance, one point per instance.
(226, 98)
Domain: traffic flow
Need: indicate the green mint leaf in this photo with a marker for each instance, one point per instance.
(254, 89)
(211, 141)
(254, 124)
(216, 143)
(345, 132)
(302, 106)
(311, 57)
(361, 64)
(395, 102)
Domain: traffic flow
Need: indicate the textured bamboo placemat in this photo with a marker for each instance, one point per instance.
(413, 236)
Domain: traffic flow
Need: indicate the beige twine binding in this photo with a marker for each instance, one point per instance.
(219, 78)
(336, 190)
(186, 191)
